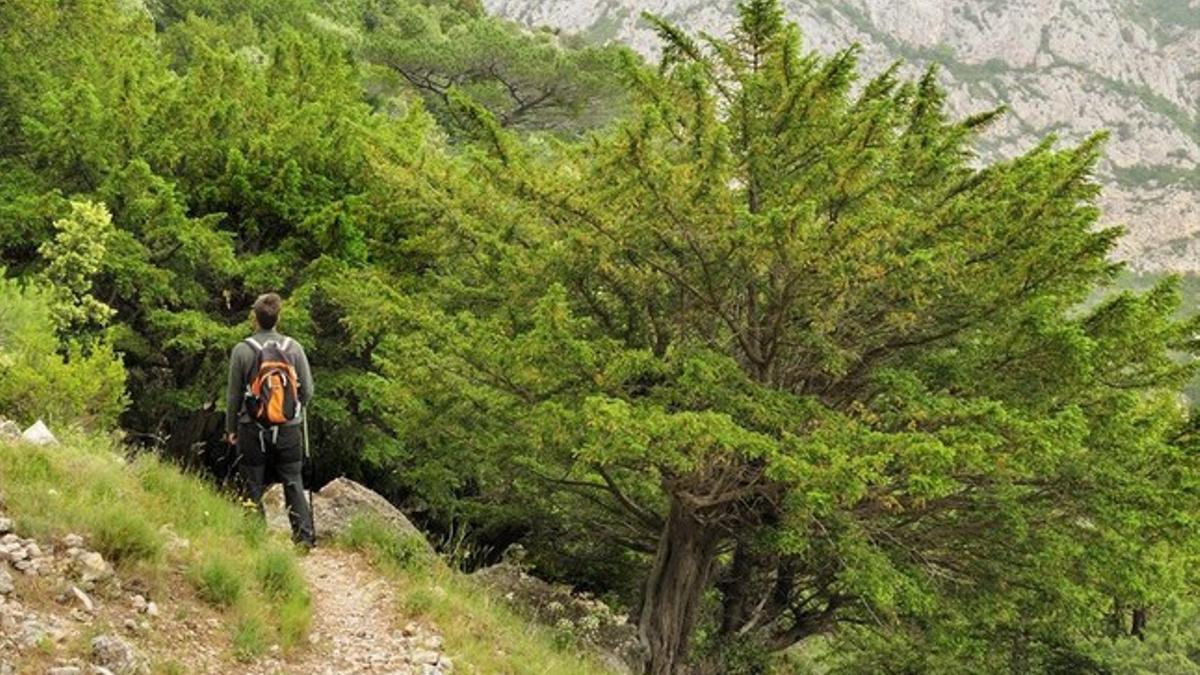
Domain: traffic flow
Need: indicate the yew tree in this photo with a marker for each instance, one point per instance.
(817, 366)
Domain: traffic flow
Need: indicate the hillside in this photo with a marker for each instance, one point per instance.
(702, 368)
(1065, 67)
(131, 565)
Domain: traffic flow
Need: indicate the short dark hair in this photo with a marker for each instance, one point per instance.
(266, 310)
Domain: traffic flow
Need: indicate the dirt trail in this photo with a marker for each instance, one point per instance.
(356, 627)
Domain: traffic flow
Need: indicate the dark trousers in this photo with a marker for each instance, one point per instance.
(282, 453)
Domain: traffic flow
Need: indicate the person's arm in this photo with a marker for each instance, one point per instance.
(234, 393)
(305, 374)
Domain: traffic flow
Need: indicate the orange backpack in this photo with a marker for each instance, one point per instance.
(273, 395)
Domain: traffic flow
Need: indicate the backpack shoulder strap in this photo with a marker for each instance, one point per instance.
(254, 343)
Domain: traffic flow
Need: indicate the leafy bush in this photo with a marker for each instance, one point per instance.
(39, 378)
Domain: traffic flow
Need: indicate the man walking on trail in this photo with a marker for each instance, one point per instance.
(270, 387)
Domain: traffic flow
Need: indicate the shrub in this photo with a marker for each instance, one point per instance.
(41, 378)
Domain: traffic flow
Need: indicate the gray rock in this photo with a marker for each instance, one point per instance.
(425, 657)
(65, 670)
(6, 581)
(337, 504)
(31, 633)
(115, 654)
(39, 434)
(92, 567)
(72, 541)
(84, 599)
(6, 525)
(9, 430)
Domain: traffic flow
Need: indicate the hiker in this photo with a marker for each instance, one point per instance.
(270, 386)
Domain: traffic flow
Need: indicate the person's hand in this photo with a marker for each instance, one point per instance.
(231, 439)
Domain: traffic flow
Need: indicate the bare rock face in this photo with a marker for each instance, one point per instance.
(1068, 67)
(336, 504)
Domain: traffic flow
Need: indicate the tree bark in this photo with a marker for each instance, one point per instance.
(681, 573)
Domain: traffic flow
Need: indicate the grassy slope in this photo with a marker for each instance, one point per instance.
(131, 512)
(233, 570)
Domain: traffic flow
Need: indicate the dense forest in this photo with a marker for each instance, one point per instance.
(757, 349)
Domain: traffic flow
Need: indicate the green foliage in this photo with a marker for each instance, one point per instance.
(73, 259)
(40, 379)
(883, 396)
(791, 317)
(532, 81)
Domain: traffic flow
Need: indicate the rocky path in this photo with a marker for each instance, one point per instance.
(356, 624)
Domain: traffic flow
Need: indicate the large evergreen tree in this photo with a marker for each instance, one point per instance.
(787, 337)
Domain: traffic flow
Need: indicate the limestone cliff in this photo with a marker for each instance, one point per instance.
(1069, 67)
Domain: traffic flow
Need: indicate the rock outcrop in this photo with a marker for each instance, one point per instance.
(1070, 67)
(578, 615)
(336, 505)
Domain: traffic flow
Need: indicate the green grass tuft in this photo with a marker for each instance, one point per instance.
(218, 581)
(383, 544)
(278, 574)
(250, 638)
(123, 537)
(295, 615)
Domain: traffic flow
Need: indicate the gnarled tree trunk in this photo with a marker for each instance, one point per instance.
(681, 573)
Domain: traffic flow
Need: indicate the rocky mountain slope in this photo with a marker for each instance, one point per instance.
(1069, 67)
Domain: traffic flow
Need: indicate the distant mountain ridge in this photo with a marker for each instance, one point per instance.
(1069, 67)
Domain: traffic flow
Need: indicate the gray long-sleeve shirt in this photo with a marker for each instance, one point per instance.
(241, 366)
